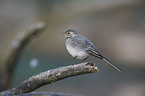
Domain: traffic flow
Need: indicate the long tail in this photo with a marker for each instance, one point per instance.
(95, 53)
(110, 63)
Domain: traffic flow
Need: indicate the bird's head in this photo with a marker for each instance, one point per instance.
(70, 33)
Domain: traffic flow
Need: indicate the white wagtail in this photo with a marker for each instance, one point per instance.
(81, 47)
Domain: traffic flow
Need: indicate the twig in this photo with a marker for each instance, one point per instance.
(52, 76)
(11, 53)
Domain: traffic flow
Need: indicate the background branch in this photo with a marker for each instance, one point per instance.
(45, 94)
(11, 53)
(52, 76)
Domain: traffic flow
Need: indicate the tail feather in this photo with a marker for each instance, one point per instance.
(95, 53)
(110, 63)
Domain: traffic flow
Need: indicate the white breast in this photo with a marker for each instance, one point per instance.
(77, 52)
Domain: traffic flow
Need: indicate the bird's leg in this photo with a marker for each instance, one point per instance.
(81, 60)
(74, 57)
(84, 60)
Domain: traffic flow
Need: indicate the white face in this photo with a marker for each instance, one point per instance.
(69, 34)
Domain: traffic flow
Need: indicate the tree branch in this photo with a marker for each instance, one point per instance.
(11, 53)
(45, 94)
(52, 76)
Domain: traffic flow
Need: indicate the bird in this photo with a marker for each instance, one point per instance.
(81, 47)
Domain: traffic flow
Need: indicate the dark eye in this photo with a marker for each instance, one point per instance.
(68, 33)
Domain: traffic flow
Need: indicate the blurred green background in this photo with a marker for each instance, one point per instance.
(116, 27)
